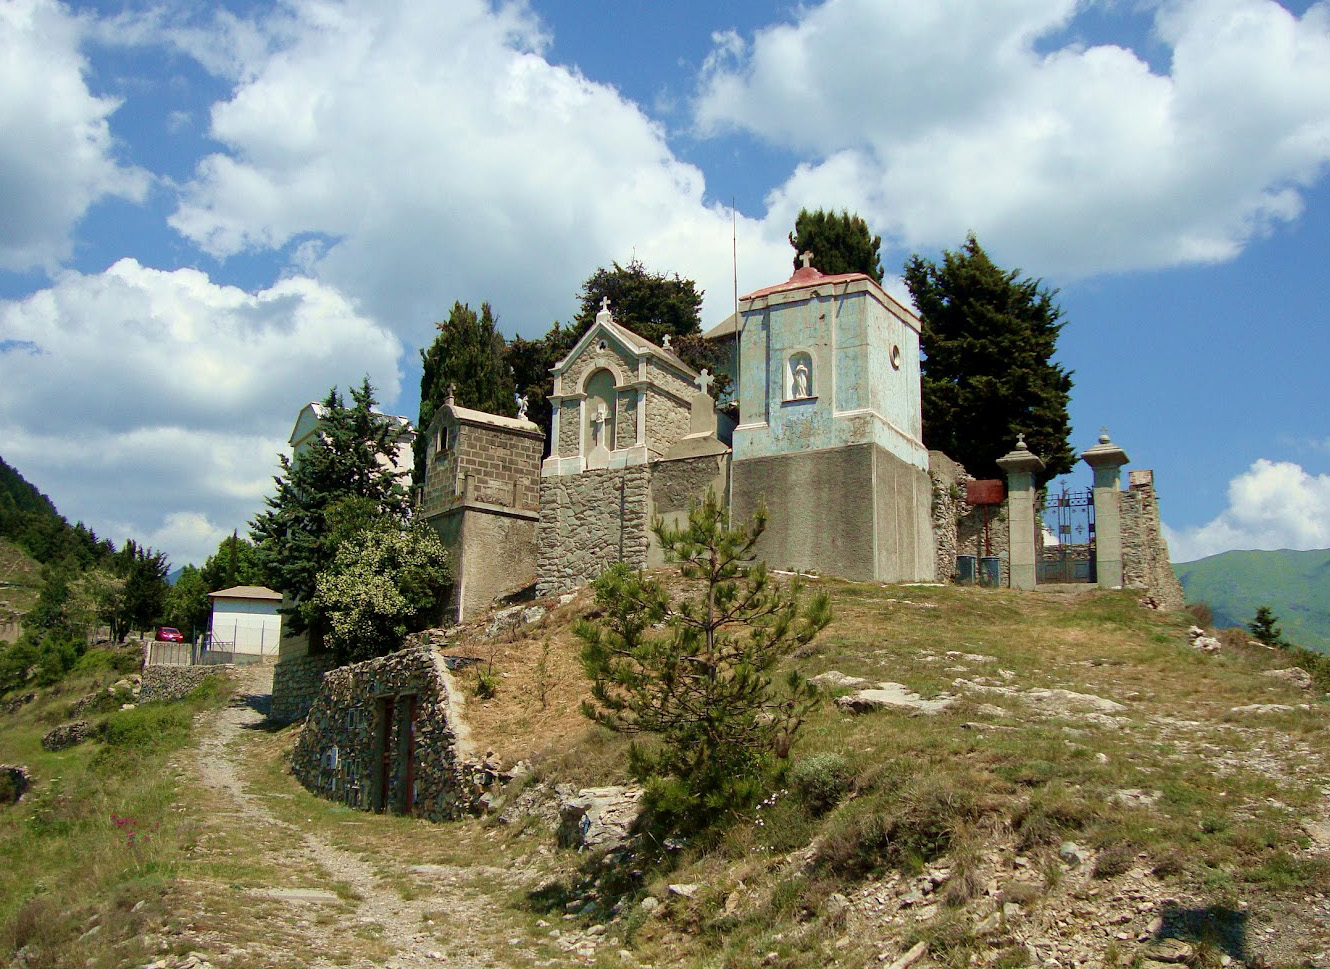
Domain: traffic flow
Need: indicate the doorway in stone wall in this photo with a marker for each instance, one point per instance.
(1066, 545)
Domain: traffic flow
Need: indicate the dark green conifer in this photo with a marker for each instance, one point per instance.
(988, 340)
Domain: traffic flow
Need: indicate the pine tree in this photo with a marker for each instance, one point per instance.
(839, 243)
(1264, 627)
(988, 340)
(703, 687)
(350, 457)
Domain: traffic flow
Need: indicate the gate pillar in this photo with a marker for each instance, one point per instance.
(1107, 460)
(1021, 465)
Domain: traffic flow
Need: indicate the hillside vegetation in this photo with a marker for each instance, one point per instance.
(1097, 793)
(1295, 584)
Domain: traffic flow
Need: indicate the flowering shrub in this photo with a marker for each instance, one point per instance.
(383, 584)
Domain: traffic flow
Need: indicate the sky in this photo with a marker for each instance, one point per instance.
(212, 213)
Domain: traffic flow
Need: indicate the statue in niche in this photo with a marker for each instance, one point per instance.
(800, 378)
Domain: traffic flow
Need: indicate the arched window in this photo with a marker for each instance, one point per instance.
(599, 411)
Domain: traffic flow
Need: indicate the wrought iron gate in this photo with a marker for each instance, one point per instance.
(1067, 544)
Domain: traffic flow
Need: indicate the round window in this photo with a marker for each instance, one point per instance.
(895, 357)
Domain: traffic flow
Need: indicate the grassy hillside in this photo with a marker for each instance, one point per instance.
(1296, 585)
(20, 579)
(1190, 786)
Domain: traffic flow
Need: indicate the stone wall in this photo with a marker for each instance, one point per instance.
(296, 682)
(667, 421)
(177, 682)
(958, 527)
(363, 714)
(589, 521)
(1145, 562)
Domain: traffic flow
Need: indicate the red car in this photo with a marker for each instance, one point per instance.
(166, 634)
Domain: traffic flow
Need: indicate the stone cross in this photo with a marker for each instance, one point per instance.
(665, 344)
(704, 380)
(452, 392)
(806, 258)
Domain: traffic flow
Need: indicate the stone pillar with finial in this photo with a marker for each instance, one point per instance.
(1107, 460)
(1021, 465)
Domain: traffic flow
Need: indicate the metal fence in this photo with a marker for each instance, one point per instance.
(189, 654)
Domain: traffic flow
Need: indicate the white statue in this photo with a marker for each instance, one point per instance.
(521, 408)
(801, 390)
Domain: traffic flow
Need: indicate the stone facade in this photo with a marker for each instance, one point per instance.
(387, 735)
(177, 682)
(1145, 562)
(296, 681)
(482, 495)
(590, 521)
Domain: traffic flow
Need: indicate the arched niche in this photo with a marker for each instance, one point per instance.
(799, 376)
(599, 410)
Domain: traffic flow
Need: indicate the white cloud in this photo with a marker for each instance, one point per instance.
(1272, 505)
(416, 152)
(153, 404)
(935, 119)
(56, 151)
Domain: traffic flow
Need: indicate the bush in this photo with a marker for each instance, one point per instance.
(153, 727)
(821, 781)
(1201, 614)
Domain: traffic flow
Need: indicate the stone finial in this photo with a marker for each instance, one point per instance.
(806, 257)
(1020, 458)
(452, 393)
(1105, 454)
(704, 381)
(604, 316)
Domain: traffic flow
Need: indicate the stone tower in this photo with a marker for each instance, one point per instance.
(830, 430)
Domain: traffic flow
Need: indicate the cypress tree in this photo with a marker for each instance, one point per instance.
(839, 243)
(468, 354)
(988, 373)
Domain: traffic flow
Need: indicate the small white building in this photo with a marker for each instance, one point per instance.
(245, 620)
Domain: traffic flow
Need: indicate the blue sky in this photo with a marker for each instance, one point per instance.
(209, 216)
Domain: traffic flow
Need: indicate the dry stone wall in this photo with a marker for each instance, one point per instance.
(296, 682)
(363, 711)
(589, 521)
(1145, 562)
(177, 682)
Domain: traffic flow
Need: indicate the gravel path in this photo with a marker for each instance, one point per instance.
(394, 922)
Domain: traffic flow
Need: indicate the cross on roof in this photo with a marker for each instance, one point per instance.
(604, 304)
(806, 258)
(704, 380)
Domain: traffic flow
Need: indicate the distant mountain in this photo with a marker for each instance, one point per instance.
(30, 520)
(1296, 585)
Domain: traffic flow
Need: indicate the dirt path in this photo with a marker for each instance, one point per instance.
(344, 895)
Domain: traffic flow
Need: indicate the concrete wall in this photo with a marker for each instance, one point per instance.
(296, 680)
(857, 512)
(1145, 564)
(339, 754)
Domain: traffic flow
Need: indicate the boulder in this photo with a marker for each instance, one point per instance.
(836, 680)
(67, 735)
(893, 696)
(599, 817)
(1293, 675)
